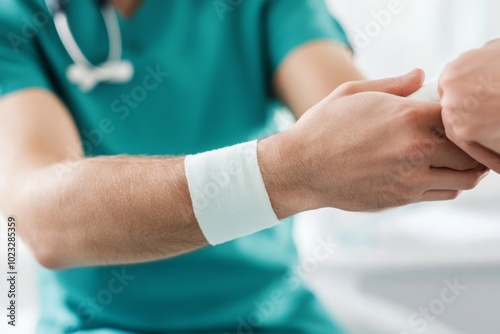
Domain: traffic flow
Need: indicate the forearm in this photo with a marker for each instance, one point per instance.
(108, 210)
(312, 72)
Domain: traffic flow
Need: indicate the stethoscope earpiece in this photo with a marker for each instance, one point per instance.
(87, 77)
(82, 72)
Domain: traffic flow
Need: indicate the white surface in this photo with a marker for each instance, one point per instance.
(425, 34)
(465, 231)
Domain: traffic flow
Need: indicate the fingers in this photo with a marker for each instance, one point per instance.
(476, 151)
(448, 184)
(440, 195)
(400, 86)
(485, 156)
(442, 153)
(448, 155)
(451, 180)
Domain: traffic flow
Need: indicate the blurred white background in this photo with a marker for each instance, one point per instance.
(391, 265)
(389, 271)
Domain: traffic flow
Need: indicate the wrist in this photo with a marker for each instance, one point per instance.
(282, 172)
(228, 193)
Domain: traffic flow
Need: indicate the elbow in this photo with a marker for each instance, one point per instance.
(47, 224)
(44, 251)
(55, 255)
(38, 228)
(47, 257)
(43, 245)
(47, 247)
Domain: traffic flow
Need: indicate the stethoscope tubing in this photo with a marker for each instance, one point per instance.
(83, 72)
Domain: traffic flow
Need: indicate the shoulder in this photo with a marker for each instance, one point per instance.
(21, 21)
(23, 13)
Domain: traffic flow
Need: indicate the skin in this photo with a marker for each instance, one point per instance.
(126, 7)
(470, 91)
(361, 149)
(130, 209)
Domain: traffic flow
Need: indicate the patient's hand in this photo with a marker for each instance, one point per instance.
(365, 147)
(470, 96)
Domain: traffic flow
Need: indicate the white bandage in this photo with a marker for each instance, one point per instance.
(428, 92)
(228, 193)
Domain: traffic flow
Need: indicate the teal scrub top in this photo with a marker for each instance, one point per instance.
(202, 78)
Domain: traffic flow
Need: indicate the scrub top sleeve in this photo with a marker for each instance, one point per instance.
(291, 23)
(20, 62)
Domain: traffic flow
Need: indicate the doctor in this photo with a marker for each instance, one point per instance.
(102, 101)
(470, 91)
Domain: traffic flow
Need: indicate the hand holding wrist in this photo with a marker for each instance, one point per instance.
(363, 148)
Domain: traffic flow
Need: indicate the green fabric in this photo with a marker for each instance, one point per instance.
(202, 81)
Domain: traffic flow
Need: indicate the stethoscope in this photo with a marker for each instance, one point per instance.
(82, 72)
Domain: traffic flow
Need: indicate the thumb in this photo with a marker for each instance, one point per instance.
(400, 86)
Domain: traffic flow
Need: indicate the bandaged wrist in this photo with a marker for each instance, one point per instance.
(428, 92)
(228, 193)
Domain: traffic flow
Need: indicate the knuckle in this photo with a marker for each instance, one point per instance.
(410, 116)
(449, 112)
(468, 163)
(444, 80)
(450, 132)
(469, 185)
(452, 195)
(454, 126)
(406, 190)
(474, 181)
(453, 111)
(471, 182)
(448, 76)
(413, 115)
(413, 152)
(465, 132)
(467, 56)
(453, 71)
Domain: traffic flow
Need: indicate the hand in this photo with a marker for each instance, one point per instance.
(364, 149)
(470, 96)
